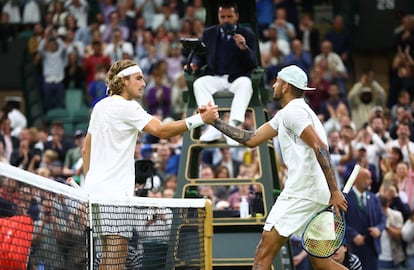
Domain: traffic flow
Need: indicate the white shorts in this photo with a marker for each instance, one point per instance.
(113, 220)
(290, 215)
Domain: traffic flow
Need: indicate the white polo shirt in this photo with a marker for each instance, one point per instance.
(114, 126)
(305, 176)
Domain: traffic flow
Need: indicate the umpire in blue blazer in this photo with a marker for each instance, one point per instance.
(230, 59)
(365, 221)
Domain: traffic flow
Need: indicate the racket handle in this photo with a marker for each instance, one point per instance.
(71, 182)
(352, 178)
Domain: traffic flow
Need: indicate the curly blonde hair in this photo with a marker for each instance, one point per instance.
(114, 83)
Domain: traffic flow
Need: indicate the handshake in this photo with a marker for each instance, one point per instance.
(234, 136)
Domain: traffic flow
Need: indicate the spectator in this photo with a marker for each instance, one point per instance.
(12, 8)
(389, 162)
(332, 102)
(348, 259)
(167, 193)
(79, 10)
(174, 61)
(178, 88)
(137, 33)
(285, 29)
(18, 120)
(118, 46)
(166, 18)
(401, 74)
(402, 116)
(407, 233)
(392, 254)
(309, 35)
(236, 196)
(23, 156)
(405, 184)
(316, 98)
(47, 233)
(335, 68)
(53, 53)
(199, 10)
(34, 40)
(158, 99)
(403, 102)
(49, 160)
(84, 34)
(338, 117)
(405, 35)
(403, 141)
(97, 88)
(389, 189)
(230, 61)
(3, 158)
(10, 142)
(375, 149)
(112, 25)
(96, 35)
(341, 41)
(170, 182)
(72, 44)
(31, 12)
(365, 221)
(299, 57)
(58, 142)
(73, 159)
(148, 61)
(227, 161)
(147, 9)
(364, 96)
(97, 58)
(265, 15)
(57, 8)
(341, 157)
(74, 76)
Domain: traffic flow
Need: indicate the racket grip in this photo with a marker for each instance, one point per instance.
(71, 182)
(351, 179)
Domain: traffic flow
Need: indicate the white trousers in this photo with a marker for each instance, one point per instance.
(205, 87)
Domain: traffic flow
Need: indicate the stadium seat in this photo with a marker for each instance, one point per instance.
(57, 114)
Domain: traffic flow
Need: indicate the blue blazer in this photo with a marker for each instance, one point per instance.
(354, 215)
(242, 62)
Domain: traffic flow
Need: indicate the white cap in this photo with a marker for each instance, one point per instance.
(295, 76)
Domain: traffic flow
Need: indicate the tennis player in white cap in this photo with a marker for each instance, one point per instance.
(311, 184)
(108, 154)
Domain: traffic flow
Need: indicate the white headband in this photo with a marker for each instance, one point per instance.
(129, 70)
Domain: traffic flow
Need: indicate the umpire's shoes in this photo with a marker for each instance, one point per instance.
(210, 134)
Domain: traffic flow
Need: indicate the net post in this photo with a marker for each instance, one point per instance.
(91, 244)
(208, 235)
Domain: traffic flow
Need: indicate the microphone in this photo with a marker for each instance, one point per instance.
(230, 30)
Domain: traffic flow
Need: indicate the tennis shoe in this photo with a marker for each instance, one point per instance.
(210, 134)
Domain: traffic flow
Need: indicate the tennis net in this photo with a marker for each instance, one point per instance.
(45, 224)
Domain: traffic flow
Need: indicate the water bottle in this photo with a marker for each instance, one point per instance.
(285, 258)
(244, 208)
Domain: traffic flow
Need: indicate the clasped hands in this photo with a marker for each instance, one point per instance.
(209, 113)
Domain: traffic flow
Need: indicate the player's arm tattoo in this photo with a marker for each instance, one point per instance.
(237, 134)
(325, 161)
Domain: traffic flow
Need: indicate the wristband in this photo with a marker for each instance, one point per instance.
(194, 121)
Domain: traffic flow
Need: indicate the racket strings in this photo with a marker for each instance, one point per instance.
(324, 234)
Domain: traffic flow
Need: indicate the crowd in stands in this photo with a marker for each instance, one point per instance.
(74, 42)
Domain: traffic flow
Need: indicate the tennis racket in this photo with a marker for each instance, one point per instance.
(325, 232)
